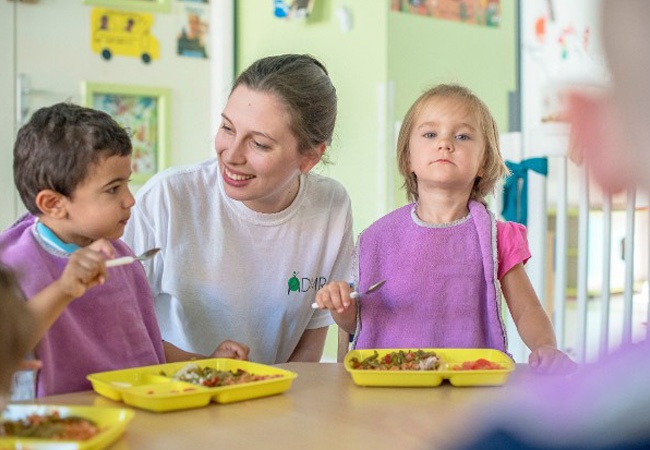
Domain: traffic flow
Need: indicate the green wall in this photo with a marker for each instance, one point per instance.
(356, 61)
(424, 51)
(412, 52)
(382, 48)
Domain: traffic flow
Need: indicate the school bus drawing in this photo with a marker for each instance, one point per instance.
(123, 33)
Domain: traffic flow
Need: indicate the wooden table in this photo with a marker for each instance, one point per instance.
(323, 409)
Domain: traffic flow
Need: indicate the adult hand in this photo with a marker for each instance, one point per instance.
(231, 349)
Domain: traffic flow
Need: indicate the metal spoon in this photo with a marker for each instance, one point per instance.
(129, 259)
(355, 294)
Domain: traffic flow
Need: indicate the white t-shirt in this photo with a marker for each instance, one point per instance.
(227, 272)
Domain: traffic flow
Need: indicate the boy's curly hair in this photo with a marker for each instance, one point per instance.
(56, 148)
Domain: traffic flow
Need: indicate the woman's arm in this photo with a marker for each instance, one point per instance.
(175, 354)
(227, 349)
(310, 347)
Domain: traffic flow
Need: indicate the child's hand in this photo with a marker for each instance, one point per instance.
(231, 349)
(86, 268)
(335, 296)
(550, 360)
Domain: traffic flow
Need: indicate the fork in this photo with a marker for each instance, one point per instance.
(129, 259)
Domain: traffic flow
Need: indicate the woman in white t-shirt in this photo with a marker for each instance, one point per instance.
(249, 237)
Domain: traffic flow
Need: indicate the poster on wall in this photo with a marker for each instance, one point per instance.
(293, 9)
(475, 12)
(144, 111)
(560, 49)
(134, 5)
(192, 39)
(123, 33)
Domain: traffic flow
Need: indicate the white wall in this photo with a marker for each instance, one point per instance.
(566, 52)
(7, 114)
(60, 29)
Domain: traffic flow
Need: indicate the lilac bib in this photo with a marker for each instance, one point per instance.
(442, 290)
(110, 327)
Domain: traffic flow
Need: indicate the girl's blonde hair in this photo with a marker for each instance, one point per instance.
(494, 168)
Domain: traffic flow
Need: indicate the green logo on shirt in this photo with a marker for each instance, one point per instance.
(305, 284)
(294, 283)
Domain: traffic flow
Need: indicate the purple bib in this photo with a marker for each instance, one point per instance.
(441, 291)
(110, 327)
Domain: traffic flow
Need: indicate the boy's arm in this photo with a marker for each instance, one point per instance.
(47, 306)
(86, 268)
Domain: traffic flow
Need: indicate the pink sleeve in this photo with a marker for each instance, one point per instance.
(512, 246)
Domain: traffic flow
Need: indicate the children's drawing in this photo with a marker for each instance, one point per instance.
(143, 111)
(294, 9)
(123, 33)
(476, 12)
(193, 36)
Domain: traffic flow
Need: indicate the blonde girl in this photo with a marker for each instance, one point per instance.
(446, 258)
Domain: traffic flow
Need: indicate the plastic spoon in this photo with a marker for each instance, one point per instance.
(129, 259)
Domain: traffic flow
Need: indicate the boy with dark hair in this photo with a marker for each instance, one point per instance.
(72, 167)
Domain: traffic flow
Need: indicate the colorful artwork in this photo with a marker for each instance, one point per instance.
(475, 12)
(133, 5)
(192, 38)
(293, 9)
(141, 110)
(123, 33)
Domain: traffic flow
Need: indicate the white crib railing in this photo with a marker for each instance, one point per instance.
(552, 193)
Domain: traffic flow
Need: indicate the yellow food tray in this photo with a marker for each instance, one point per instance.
(111, 421)
(152, 387)
(432, 378)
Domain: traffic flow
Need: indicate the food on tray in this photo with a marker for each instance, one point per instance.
(210, 377)
(479, 364)
(50, 426)
(399, 360)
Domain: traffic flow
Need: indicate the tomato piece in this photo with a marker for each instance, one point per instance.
(482, 363)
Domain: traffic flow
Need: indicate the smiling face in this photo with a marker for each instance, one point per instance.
(447, 147)
(258, 152)
(99, 207)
